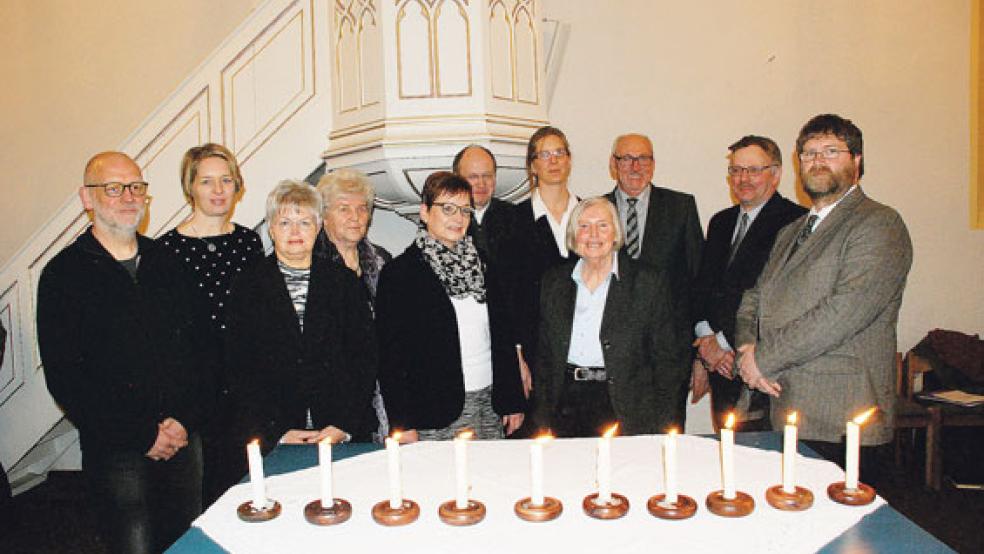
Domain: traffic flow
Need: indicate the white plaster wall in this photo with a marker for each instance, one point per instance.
(79, 77)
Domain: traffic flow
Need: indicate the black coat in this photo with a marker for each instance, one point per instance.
(533, 252)
(121, 355)
(640, 343)
(495, 232)
(672, 242)
(420, 354)
(277, 371)
(719, 286)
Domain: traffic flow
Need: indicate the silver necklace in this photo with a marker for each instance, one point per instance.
(209, 245)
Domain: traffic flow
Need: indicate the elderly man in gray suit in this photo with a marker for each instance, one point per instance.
(817, 332)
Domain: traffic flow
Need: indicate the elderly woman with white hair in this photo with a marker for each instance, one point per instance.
(606, 336)
(300, 349)
(349, 198)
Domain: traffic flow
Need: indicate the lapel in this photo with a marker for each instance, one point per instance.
(620, 298)
(757, 228)
(566, 300)
(657, 219)
(825, 229)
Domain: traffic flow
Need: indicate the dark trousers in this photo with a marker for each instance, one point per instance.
(6, 499)
(143, 506)
(875, 465)
(724, 397)
(584, 410)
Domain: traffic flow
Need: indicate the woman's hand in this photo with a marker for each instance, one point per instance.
(333, 433)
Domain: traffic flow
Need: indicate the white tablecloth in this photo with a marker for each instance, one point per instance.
(500, 475)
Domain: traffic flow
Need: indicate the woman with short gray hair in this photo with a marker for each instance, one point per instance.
(300, 335)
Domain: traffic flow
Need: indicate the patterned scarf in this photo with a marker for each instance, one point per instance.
(459, 268)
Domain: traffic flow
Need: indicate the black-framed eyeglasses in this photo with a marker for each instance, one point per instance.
(644, 160)
(830, 153)
(449, 209)
(546, 155)
(752, 170)
(114, 189)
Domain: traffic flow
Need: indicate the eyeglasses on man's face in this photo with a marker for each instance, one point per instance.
(752, 170)
(627, 161)
(829, 153)
(546, 155)
(114, 189)
(449, 209)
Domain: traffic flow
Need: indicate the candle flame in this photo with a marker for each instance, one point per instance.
(396, 436)
(466, 434)
(730, 422)
(672, 431)
(255, 441)
(791, 418)
(543, 438)
(861, 418)
(610, 432)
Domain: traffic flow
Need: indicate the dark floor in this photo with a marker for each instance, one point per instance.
(52, 517)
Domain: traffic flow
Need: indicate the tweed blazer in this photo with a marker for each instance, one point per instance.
(640, 343)
(276, 370)
(719, 285)
(823, 320)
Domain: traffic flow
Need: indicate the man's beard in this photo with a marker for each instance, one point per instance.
(822, 182)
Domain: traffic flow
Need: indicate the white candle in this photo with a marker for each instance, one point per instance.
(789, 455)
(853, 452)
(728, 458)
(396, 486)
(324, 464)
(255, 461)
(670, 467)
(461, 469)
(605, 466)
(536, 470)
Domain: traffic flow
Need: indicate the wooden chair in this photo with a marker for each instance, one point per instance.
(911, 416)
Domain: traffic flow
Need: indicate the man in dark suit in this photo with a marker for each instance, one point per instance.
(662, 230)
(739, 239)
(492, 223)
(818, 330)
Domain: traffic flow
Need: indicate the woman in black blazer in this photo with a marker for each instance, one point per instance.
(301, 349)
(606, 336)
(448, 358)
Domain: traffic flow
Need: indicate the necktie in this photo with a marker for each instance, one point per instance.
(632, 229)
(804, 234)
(742, 227)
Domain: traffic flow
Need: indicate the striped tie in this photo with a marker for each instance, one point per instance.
(804, 234)
(632, 229)
(742, 227)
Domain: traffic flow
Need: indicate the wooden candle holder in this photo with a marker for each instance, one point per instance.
(838, 492)
(739, 506)
(618, 507)
(472, 514)
(247, 512)
(683, 508)
(317, 514)
(407, 513)
(549, 510)
(797, 501)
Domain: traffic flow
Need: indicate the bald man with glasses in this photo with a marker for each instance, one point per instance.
(662, 230)
(126, 360)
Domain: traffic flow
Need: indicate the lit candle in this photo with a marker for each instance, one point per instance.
(461, 469)
(393, 455)
(255, 461)
(605, 466)
(670, 467)
(536, 469)
(789, 455)
(324, 463)
(853, 452)
(728, 458)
